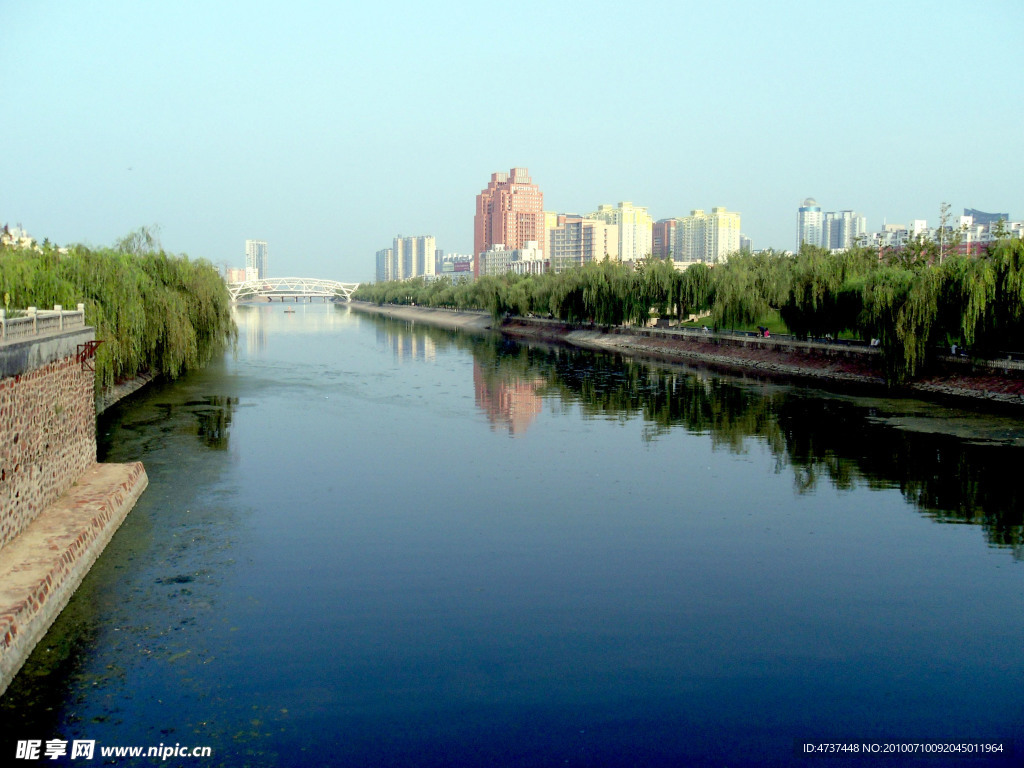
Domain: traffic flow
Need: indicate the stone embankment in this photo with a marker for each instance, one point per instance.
(832, 363)
(58, 507)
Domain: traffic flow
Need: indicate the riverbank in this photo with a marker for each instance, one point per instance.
(440, 318)
(834, 364)
(43, 566)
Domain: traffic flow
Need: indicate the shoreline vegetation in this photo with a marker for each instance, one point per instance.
(911, 308)
(816, 363)
(156, 314)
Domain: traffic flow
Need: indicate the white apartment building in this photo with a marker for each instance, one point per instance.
(707, 237)
(408, 257)
(634, 223)
(574, 240)
(833, 230)
(808, 223)
(841, 230)
(497, 260)
(256, 257)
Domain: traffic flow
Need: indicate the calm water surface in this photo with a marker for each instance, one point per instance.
(371, 544)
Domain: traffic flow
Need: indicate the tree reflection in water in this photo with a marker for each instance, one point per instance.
(846, 441)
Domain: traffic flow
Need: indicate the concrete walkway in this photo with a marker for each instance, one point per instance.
(43, 566)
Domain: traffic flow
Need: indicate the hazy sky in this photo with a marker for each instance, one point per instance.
(327, 128)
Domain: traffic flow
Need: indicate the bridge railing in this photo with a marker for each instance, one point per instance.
(38, 322)
(291, 286)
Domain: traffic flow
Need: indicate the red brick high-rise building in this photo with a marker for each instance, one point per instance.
(510, 211)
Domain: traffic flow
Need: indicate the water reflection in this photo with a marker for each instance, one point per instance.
(166, 563)
(407, 345)
(256, 320)
(954, 465)
(510, 402)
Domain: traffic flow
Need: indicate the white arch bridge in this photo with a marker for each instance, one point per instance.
(291, 288)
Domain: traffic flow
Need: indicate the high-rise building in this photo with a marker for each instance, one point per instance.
(841, 230)
(385, 265)
(808, 223)
(509, 212)
(414, 256)
(708, 237)
(634, 225)
(407, 258)
(578, 239)
(663, 238)
(255, 259)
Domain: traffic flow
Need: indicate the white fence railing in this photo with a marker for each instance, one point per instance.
(37, 322)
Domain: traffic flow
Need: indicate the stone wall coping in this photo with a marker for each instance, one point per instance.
(38, 322)
(23, 355)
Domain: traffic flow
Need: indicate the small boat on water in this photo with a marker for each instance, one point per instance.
(290, 310)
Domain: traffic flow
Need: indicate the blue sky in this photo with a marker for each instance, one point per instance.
(327, 128)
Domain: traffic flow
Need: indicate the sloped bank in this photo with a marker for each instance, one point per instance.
(58, 507)
(835, 364)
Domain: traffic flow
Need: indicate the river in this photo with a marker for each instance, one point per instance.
(366, 543)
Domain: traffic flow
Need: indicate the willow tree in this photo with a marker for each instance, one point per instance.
(901, 309)
(967, 300)
(660, 285)
(825, 290)
(153, 312)
(738, 298)
(696, 290)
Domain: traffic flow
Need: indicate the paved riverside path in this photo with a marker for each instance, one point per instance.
(44, 565)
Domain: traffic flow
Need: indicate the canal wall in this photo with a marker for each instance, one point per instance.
(58, 507)
(439, 318)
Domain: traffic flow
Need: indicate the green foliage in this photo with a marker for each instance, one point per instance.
(154, 312)
(901, 308)
(740, 292)
(914, 301)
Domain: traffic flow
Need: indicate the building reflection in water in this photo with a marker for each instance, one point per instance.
(256, 319)
(956, 466)
(248, 318)
(406, 343)
(510, 401)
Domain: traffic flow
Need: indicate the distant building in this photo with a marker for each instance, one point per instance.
(509, 212)
(663, 238)
(832, 230)
(385, 265)
(578, 239)
(498, 259)
(455, 266)
(407, 257)
(746, 244)
(967, 236)
(635, 226)
(808, 223)
(708, 237)
(985, 219)
(256, 257)
(234, 275)
(16, 237)
(841, 230)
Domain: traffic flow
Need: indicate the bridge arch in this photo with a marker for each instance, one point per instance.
(287, 287)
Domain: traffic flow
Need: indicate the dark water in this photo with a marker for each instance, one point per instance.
(367, 544)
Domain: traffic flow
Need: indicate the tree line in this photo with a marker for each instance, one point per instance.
(155, 312)
(913, 301)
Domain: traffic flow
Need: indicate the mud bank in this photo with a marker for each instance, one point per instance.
(810, 362)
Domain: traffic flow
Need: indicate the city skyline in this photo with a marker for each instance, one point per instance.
(127, 115)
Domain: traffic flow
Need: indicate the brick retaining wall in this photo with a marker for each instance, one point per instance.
(58, 507)
(47, 439)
